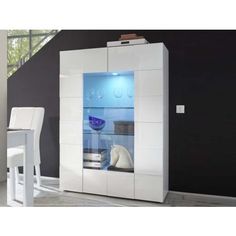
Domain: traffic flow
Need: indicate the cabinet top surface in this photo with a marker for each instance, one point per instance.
(105, 48)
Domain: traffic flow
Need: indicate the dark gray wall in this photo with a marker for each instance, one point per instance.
(202, 76)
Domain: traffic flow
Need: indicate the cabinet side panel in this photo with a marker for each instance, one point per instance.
(166, 121)
(151, 131)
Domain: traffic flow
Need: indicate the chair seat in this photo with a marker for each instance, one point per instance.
(15, 157)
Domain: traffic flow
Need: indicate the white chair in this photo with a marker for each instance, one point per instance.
(24, 118)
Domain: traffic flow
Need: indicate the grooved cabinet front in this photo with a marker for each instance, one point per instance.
(72, 66)
(70, 166)
(149, 187)
(95, 181)
(135, 58)
(83, 61)
(144, 68)
(120, 184)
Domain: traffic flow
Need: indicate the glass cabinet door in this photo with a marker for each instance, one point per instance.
(108, 121)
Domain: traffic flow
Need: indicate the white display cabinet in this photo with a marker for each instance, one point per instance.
(125, 88)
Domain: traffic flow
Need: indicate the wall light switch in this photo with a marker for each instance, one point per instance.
(180, 109)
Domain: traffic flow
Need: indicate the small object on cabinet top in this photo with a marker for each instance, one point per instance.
(130, 36)
(127, 42)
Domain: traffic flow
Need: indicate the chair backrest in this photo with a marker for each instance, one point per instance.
(29, 118)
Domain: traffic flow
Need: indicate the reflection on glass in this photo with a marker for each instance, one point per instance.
(130, 92)
(108, 137)
(90, 94)
(118, 92)
(100, 93)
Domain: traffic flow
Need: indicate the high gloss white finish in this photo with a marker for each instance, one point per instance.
(148, 135)
(148, 161)
(148, 83)
(95, 181)
(72, 66)
(71, 109)
(150, 66)
(71, 167)
(76, 62)
(166, 123)
(148, 109)
(120, 184)
(137, 57)
(149, 187)
(71, 86)
(3, 105)
(71, 132)
(151, 131)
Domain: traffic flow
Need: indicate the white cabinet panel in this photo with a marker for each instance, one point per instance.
(95, 181)
(71, 164)
(150, 115)
(166, 123)
(148, 135)
(71, 132)
(148, 109)
(148, 83)
(148, 161)
(120, 184)
(149, 187)
(71, 109)
(83, 61)
(137, 57)
(71, 86)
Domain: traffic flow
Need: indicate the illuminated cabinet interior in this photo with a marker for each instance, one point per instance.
(114, 121)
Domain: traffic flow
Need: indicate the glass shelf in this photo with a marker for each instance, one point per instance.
(105, 167)
(105, 133)
(108, 121)
(108, 107)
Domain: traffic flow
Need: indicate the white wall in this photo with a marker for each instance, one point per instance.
(3, 105)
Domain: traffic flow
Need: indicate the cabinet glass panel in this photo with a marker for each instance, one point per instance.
(108, 122)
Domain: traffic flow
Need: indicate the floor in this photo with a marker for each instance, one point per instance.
(48, 195)
(3, 194)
